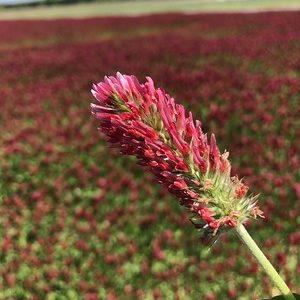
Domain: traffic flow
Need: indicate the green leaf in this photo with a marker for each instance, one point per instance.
(283, 298)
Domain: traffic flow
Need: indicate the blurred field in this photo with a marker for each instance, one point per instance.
(144, 7)
(78, 221)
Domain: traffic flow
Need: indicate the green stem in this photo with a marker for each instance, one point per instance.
(264, 262)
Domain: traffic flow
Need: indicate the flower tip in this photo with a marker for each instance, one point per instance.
(213, 141)
(150, 82)
(94, 91)
(121, 77)
(93, 107)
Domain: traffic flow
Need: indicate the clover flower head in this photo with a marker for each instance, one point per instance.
(144, 121)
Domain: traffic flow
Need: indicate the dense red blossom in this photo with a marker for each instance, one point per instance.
(238, 73)
(147, 123)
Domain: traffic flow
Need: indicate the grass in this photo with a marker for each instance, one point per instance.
(96, 9)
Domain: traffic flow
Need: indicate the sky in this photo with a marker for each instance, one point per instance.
(12, 2)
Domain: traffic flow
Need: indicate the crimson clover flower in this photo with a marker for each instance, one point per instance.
(146, 122)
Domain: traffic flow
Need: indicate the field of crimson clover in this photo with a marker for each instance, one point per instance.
(80, 221)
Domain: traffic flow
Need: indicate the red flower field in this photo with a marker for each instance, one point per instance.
(78, 221)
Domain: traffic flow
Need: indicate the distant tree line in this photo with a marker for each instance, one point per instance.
(49, 2)
(74, 1)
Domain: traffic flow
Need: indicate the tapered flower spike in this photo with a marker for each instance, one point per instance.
(146, 122)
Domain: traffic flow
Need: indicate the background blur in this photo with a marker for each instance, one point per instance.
(78, 220)
(45, 9)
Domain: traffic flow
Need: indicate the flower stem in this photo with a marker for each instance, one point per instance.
(264, 262)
